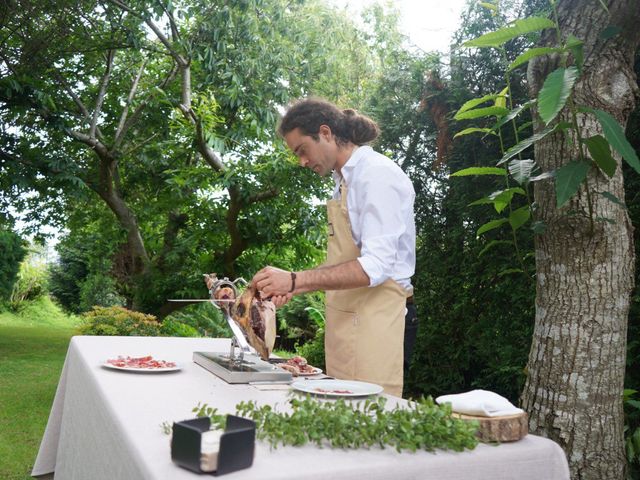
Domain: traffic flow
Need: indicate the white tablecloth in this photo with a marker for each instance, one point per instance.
(105, 424)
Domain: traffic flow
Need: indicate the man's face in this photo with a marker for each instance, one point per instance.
(318, 155)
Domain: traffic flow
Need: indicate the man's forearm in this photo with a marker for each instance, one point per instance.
(335, 277)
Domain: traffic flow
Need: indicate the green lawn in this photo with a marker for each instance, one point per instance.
(33, 345)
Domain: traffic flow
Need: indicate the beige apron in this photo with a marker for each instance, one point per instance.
(364, 326)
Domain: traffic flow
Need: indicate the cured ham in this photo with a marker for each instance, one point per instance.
(257, 318)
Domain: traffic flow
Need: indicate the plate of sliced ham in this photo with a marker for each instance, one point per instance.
(142, 363)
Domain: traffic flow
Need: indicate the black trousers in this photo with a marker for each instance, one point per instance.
(410, 333)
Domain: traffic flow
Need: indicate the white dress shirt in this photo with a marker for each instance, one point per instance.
(380, 200)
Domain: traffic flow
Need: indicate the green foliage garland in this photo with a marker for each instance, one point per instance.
(424, 425)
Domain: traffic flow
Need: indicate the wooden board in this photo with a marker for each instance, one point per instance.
(508, 428)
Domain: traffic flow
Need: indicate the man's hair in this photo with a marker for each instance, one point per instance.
(346, 125)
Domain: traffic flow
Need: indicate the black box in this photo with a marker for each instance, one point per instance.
(237, 444)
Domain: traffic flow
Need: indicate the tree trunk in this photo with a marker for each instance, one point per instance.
(584, 259)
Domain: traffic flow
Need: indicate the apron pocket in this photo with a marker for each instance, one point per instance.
(339, 343)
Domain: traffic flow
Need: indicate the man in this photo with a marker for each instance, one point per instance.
(371, 245)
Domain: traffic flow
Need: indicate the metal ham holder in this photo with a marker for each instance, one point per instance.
(241, 364)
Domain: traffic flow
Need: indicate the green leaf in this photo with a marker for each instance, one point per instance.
(524, 126)
(612, 198)
(521, 170)
(481, 201)
(474, 102)
(509, 271)
(599, 149)
(519, 217)
(555, 92)
(500, 199)
(511, 115)
(538, 227)
(543, 176)
(575, 45)
(501, 99)
(511, 31)
(479, 171)
(569, 177)
(526, 143)
(489, 6)
(467, 131)
(615, 135)
(491, 225)
(610, 31)
(481, 112)
(493, 244)
(529, 54)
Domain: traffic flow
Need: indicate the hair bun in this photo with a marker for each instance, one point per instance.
(350, 112)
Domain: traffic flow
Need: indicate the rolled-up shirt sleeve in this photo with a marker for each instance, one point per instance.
(383, 201)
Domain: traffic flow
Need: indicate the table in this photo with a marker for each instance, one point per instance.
(105, 424)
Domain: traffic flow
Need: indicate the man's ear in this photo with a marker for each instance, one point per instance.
(325, 132)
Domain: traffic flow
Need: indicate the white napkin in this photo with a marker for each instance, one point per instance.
(480, 403)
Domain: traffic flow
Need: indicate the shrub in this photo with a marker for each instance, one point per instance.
(31, 282)
(313, 350)
(13, 252)
(118, 321)
(173, 328)
(99, 290)
(300, 319)
(204, 318)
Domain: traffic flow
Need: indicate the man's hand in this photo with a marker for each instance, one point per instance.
(281, 300)
(274, 282)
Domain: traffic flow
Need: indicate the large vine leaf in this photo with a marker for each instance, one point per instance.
(474, 102)
(568, 180)
(529, 54)
(467, 131)
(500, 199)
(576, 46)
(615, 135)
(511, 115)
(527, 142)
(521, 170)
(493, 244)
(481, 112)
(555, 92)
(601, 153)
(511, 31)
(519, 217)
(491, 225)
(466, 172)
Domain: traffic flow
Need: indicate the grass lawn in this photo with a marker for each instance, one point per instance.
(33, 345)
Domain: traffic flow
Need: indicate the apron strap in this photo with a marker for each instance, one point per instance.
(343, 196)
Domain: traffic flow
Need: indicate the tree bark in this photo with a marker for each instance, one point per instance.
(585, 258)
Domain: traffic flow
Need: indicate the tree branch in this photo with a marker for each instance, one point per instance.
(138, 111)
(205, 150)
(99, 147)
(125, 110)
(103, 89)
(262, 196)
(165, 41)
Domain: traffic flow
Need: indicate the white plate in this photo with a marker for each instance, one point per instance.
(142, 370)
(337, 388)
(316, 371)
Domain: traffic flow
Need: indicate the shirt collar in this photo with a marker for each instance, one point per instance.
(347, 170)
